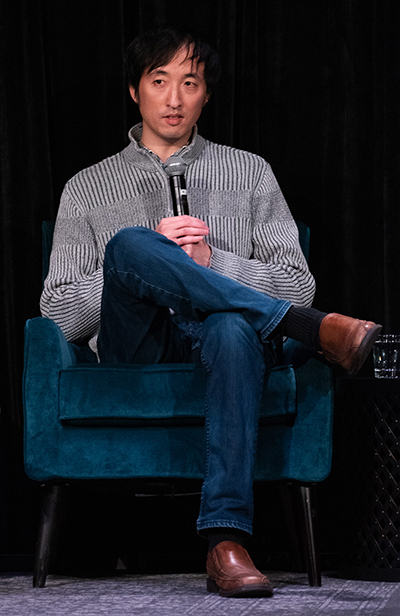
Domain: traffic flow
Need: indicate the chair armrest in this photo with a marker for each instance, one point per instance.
(46, 353)
(46, 348)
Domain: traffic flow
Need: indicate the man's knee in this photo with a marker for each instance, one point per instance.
(125, 244)
(128, 237)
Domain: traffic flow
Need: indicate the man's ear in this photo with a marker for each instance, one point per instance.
(206, 99)
(132, 92)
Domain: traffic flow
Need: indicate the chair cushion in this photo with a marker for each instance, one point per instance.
(109, 395)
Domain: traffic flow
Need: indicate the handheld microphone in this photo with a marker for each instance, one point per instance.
(175, 169)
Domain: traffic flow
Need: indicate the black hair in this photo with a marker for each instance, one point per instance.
(157, 47)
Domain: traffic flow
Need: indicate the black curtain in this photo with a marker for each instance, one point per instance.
(311, 85)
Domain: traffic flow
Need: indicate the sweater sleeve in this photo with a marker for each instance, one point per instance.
(72, 290)
(277, 265)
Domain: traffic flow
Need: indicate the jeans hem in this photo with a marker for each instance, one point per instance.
(275, 322)
(247, 528)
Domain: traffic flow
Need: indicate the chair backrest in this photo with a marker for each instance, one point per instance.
(47, 242)
(48, 230)
(304, 237)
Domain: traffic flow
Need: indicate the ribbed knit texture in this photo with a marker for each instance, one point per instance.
(253, 236)
(216, 536)
(302, 324)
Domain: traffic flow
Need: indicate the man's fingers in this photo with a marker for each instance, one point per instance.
(197, 231)
(183, 229)
(189, 239)
(181, 222)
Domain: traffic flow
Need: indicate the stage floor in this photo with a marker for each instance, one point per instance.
(181, 594)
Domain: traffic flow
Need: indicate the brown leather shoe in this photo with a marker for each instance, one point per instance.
(231, 573)
(346, 341)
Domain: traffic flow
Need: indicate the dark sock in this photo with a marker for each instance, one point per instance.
(302, 324)
(218, 535)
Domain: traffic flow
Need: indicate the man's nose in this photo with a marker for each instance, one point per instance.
(174, 97)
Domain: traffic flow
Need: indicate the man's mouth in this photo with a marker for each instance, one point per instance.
(173, 119)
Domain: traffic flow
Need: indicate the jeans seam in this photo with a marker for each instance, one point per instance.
(207, 435)
(255, 444)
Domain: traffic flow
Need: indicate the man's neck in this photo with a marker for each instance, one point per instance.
(165, 150)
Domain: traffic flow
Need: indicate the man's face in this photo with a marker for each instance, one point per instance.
(170, 100)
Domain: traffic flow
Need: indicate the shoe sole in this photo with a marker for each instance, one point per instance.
(254, 590)
(365, 348)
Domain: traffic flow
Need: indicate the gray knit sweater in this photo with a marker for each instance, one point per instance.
(252, 233)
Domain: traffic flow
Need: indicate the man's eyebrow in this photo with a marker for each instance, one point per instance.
(160, 71)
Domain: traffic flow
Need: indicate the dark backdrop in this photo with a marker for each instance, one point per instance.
(311, 85)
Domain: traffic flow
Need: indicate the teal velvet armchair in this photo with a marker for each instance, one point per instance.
(85, 420)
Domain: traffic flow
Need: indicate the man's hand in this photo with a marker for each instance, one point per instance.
(200, 252)
(188, 232)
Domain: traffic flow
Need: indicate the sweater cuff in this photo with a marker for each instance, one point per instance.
(218, 261)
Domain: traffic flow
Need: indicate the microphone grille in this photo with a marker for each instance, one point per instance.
(174, 166)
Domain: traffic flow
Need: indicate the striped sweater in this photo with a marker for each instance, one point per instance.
(253, 236)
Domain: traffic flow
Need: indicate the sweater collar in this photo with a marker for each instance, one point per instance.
(138, 155)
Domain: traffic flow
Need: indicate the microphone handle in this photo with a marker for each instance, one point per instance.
(179, 195)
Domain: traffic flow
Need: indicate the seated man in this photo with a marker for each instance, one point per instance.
(218, 286)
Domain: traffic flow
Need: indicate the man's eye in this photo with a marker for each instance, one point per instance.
(158, 81)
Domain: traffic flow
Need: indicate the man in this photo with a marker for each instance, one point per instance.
(218, 286)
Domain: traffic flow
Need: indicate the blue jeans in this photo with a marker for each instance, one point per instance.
(218, 322)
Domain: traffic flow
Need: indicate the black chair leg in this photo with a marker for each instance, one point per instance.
(50, 507)
(308, 521)
(301, 519)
